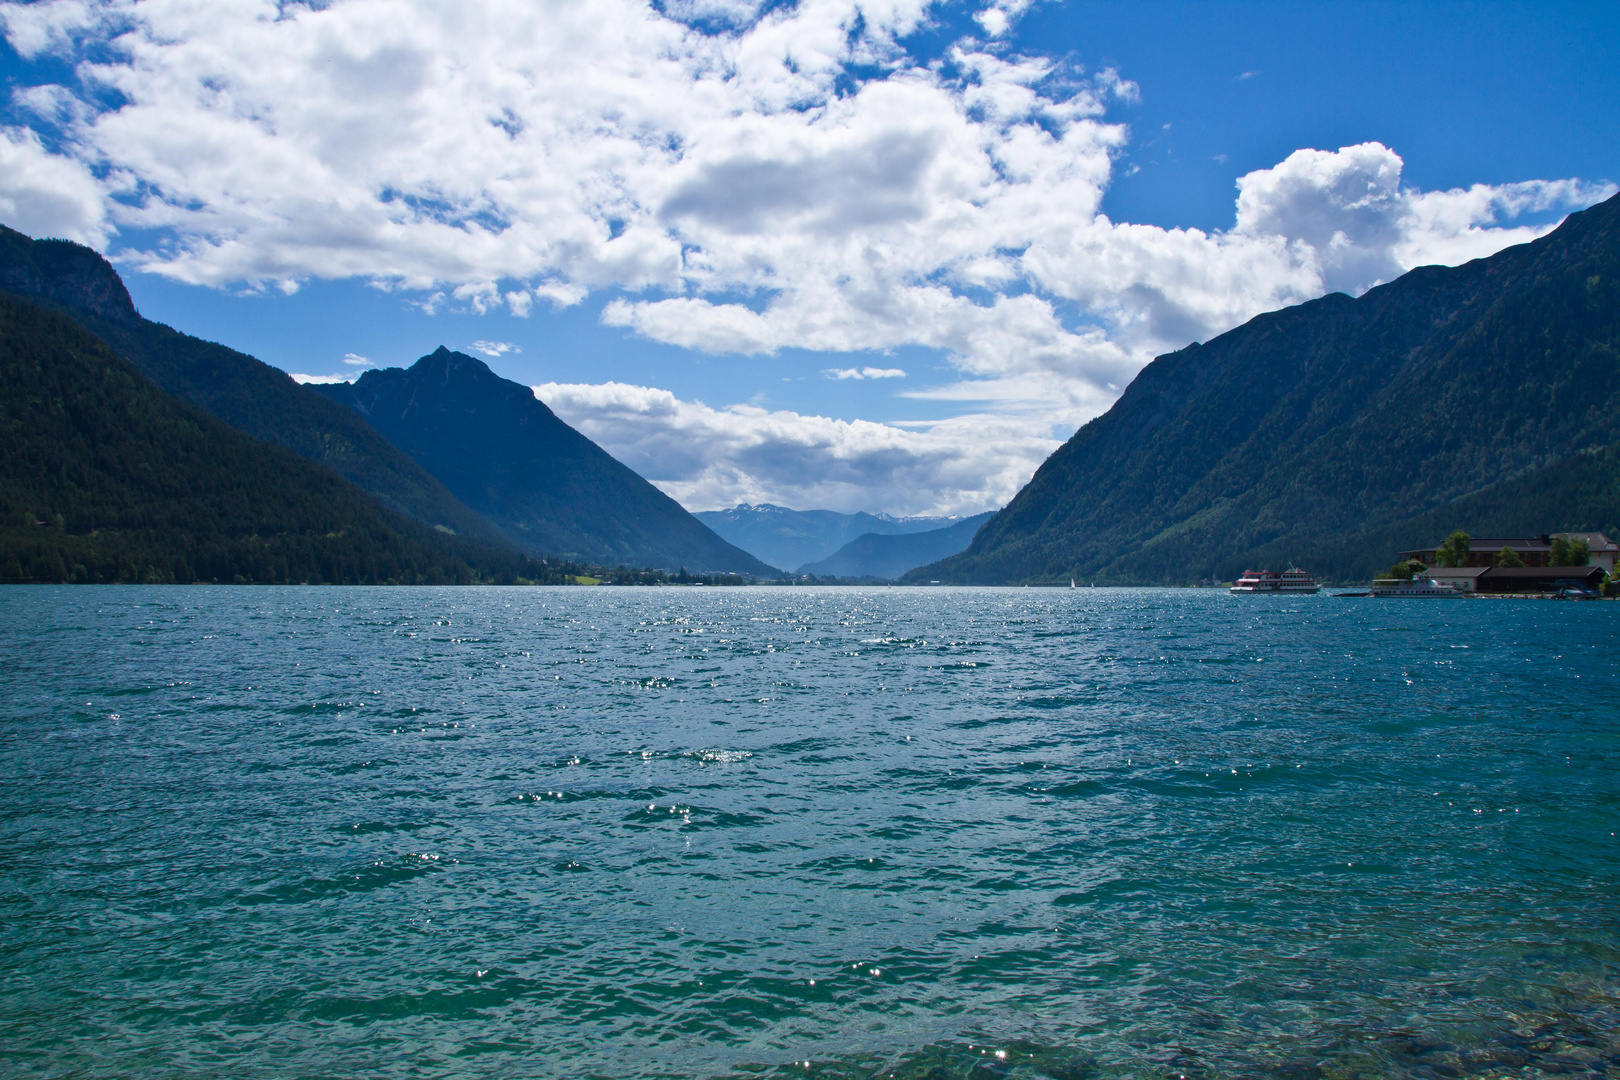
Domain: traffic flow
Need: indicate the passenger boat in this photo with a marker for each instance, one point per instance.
(1418, 588)
(1291, 580)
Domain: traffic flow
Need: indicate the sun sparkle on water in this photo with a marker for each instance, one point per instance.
(926, 833)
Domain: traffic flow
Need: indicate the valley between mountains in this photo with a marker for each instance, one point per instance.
(1484, 397)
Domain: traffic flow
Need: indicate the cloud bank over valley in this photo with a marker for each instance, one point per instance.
(708, 458)
(737, 178)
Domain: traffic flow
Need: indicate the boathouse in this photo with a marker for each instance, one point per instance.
(1533, 579)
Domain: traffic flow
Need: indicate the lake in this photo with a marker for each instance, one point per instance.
(797, 832)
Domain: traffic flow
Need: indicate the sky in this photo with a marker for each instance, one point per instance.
(877, 255)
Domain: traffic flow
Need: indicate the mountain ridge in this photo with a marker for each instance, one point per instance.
(548, 489)
(1327, 419)
(244, 392)
(104, 477)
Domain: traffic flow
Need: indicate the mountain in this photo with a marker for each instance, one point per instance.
(1580, 493)
(1308, 427)
(789, 538)
(548, 488)
(246, 393)
(888, 556)
(104, 477)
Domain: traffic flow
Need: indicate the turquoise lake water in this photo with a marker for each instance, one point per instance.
(936, 833)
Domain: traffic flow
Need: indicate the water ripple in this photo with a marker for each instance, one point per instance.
(924, 834)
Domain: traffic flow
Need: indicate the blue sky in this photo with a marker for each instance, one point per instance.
(1022, 138)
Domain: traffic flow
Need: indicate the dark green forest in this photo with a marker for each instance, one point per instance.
(1484, 397)
(1578, 494)
(475, 454)
(1325, 433)
(105, 478)
(246, 393)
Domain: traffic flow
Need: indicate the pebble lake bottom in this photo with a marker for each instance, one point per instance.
(778, 832)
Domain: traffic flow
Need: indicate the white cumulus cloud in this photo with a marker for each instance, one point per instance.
(708, 458)
(754, 177)
(997, 18)
(46, 194)
(740, 177)
(864, 373)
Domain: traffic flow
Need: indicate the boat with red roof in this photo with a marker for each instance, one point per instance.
(1291, 581)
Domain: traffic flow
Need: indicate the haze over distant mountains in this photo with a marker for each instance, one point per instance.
(887, 556)
(1336, 431)
(826, 543)
(792, 538)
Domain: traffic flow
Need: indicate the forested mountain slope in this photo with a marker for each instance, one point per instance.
(1579, 493)
(548, 488)
(1308, 426)
(244, 392)
(104, 477)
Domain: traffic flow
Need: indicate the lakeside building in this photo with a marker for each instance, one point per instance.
(1515, 579)
(1536, 551)
(1462, 578)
